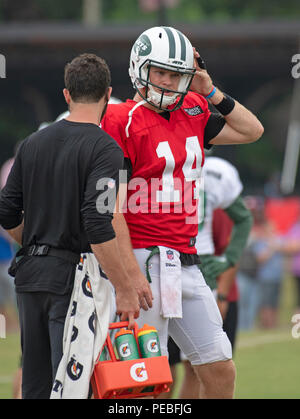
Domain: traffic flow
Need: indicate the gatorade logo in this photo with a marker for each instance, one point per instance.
(125, 350)
(138, 372)
(58, 387)
(74, 369)
(152, 345)
(86, 286)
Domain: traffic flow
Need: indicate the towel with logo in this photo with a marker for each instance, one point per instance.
(170, 282)
(85, 331)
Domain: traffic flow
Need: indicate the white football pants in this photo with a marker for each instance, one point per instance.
(199, 333)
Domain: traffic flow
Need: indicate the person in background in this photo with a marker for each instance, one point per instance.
(7, 292)
(8, 248)
(248, 286)
(248, 266)
(271, 250)
(226, 281)
(293, 238)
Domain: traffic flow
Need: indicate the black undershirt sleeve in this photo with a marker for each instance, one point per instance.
(213, 127)
(11, 197)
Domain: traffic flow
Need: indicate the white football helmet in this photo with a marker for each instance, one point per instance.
(65, 114)
(166, 48)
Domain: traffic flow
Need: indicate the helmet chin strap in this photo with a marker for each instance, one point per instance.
(155, 97)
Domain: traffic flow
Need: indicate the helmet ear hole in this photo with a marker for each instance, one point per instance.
(160, 35)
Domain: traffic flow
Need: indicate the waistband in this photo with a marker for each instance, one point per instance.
(44, 250)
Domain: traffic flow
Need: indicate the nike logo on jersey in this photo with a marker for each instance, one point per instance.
(196, 110)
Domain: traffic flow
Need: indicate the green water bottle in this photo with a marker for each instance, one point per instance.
(148, 342)
(104, 354)
(126, 345)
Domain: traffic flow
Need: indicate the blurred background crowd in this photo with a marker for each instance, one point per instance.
(248, 47)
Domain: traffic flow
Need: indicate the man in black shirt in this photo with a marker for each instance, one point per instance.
(53, 204)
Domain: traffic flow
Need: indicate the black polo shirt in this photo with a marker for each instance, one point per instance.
(65, 179)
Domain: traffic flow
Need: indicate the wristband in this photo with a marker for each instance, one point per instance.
(212, 92)
(226, 105)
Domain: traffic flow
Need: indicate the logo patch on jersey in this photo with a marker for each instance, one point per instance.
(196, 110)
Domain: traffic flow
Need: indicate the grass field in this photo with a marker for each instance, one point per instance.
(268, 362)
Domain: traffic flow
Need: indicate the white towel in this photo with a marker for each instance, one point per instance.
(86, 328)
(170, 282)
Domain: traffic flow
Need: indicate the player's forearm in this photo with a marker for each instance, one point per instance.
(226, 280)
(243, 222)
(124, 243)
(17, 233)
(241, 120)
(127, 299)
(108, 257)
(122, 234)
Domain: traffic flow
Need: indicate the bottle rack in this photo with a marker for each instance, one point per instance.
(115, 379)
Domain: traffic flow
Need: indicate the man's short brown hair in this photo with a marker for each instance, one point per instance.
(87, 77)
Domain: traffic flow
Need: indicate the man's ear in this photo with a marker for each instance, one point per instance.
(67, 96)
(109, 90)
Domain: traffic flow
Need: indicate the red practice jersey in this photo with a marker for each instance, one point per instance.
(167, 157)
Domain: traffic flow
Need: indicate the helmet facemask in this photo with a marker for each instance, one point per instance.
(158, 96)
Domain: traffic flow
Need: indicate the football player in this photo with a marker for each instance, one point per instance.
(163, 132)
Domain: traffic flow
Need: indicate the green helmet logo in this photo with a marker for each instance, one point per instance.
(142, 45)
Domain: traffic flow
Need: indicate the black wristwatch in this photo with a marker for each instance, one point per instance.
(221, 297)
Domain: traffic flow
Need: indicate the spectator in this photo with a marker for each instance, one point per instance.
(269, 252)
(7, 293)
(7, 251)
(293, 237)
(248, 286)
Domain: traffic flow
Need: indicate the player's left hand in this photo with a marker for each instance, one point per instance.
(202, 83)
(213, 266)
(223, 307)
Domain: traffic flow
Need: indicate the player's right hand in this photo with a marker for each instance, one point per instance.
(201, 83)
(143, 289)
(128, 306)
